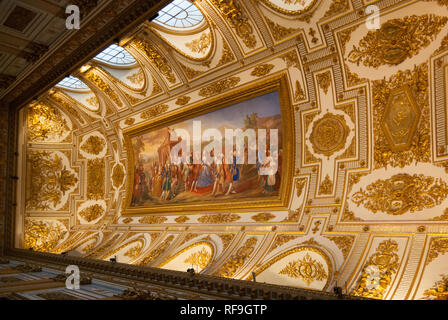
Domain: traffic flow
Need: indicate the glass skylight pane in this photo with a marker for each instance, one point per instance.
(180, 14)
(71, 82)
(115, 55)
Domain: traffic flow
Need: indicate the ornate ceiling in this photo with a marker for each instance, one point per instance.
(36, 48)
(368, 205)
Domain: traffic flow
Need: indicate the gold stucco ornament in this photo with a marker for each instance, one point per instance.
(49, 180)
(93, 145)
(92, 213)
(307, 269)
(45, 122)
(329, 134)
(439, 290)
(397, 40)
(41, 236)
(402, 193)
(385, 263)
(200, 258)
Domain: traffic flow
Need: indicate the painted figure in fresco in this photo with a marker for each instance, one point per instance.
(136, 182)
(195, 177)
(220, 176)
(174, 181)
(166, 178)
(185, 174)
(235, 172)
(205, 176)
(149, 179)
(157, 188)
(269, 185)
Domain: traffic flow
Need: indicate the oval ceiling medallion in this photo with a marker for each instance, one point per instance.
(291, 7)
(329, 134)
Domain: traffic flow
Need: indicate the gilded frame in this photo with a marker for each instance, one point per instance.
(276, 83)
(393, 146)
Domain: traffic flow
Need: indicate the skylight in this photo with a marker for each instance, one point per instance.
(180, 14)
(115, 55)
(71, 82)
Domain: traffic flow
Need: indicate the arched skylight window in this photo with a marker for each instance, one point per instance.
(71, 82)
(180, 14)
(114, 54)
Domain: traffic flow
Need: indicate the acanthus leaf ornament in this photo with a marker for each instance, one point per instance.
(50, 181)
(337, 7)
(91, 213)
(200, 45)
(152, 220)
(402, 193)
(219, 218)
(324, 81)
(156, 58)
(439, 246)
(154, 111)
(42, 235)
(103, 86)
(118, 176)
(182, 101)
(135, 251)
(137, 78)
(263, 217)
(96, 177)
(300, 184)
(326, 187)
(262, 70)
(439, 290)
(181, 219)
(234, 15)
(232, 264)
(226, 239)
(280, 32)
(307, 269)
(155, 253)
(129, 121)
(219, 87)
(281, 239)
(93, 145)
(344, 243)
(45, 123)
(397, 40)
(386, 262)
(200, 258)
(227, 55)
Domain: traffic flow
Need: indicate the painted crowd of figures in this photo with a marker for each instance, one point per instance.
(160, 183)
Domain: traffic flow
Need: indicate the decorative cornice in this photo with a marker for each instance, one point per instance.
(108, 24)
(201, 284)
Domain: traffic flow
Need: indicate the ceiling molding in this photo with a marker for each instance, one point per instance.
(106, 25)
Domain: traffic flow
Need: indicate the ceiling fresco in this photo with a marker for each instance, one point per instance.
(367, 200)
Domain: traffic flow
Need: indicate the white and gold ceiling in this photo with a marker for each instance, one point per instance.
(369, 194)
